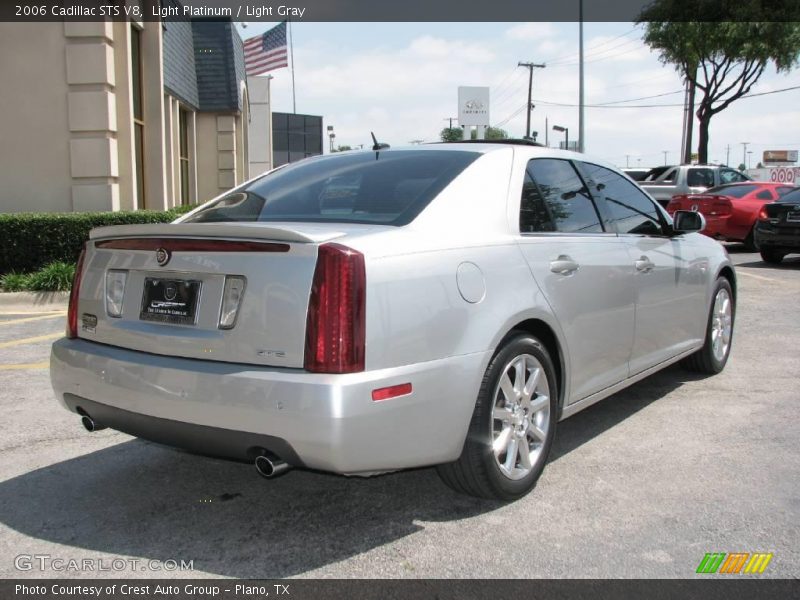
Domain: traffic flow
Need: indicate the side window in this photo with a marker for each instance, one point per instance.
(629, 209)
(764, 195)
(731, 176)
(782, 191)
(700, 178)
(670, 176)
(554, 198)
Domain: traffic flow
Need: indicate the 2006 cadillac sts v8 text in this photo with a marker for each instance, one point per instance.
(372, 311)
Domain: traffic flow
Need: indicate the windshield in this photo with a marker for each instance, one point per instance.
(388, 188)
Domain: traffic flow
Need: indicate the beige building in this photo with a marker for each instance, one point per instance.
(120, 115)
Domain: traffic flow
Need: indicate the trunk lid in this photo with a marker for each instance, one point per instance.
(783, 214)
(173, 306)
(709, 205)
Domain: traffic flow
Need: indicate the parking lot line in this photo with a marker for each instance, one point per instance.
(9, 313)
(29, 319)
(31, 340)
(761, 277)
(25, 366)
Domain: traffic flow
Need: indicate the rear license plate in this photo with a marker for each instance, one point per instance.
(170, 300)
(793, 217)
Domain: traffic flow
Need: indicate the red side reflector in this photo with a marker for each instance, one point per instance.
(391, 392)
(191, 245)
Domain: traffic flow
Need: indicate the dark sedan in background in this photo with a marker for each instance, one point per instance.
(777, 231)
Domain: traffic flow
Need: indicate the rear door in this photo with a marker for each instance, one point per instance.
(583, 271)
(669, 278)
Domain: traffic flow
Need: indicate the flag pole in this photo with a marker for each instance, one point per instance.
(291, 52)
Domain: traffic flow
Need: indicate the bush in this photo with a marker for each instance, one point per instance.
(14, 282)
(32, 240)
(55, 277)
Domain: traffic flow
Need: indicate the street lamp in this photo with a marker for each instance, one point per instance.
(565, 131)
(331, 135)
(749, 152)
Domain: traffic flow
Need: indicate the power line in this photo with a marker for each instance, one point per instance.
(548, 103)
(574, 55)
(641, 98)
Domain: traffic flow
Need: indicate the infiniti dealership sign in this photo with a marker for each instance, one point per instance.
(473, 106)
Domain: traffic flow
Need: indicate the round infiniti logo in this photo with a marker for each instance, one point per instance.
(162, 256)
(170, 291)
(473, 105)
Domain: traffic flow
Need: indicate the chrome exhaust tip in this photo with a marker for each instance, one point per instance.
(89, 424)
(270, 467)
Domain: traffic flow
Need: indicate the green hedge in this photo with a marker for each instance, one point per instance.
(33, 240)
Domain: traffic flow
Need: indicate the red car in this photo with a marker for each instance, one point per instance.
(731, 210)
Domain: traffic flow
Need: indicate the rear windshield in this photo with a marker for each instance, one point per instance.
(793, 196)
(388, 188)
(735, 191)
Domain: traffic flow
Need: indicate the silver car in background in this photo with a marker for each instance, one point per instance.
(373, 311)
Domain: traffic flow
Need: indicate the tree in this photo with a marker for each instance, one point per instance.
(451, 134)
(492, 133)
(722, 47)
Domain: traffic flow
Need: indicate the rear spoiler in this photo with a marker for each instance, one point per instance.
(289, 232)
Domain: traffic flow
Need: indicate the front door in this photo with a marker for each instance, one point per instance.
(583, 271)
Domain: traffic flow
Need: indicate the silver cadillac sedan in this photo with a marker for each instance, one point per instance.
(372, 311)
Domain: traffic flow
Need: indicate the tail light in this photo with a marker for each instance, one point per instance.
(674, 204)
(721, 206)
(74, 293)
(335, 327)
(762, 214)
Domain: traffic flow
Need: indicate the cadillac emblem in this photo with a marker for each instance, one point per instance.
(162, 256)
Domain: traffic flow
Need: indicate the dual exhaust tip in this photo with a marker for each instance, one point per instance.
(90, 425)
(268, 466)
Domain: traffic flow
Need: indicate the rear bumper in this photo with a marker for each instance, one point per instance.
(769, 236)
(327, 422)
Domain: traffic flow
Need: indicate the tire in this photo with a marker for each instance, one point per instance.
(713, 356)
(508, 423)
(771, 256)
(750, 243)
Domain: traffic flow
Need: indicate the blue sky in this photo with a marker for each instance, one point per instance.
(400, 80)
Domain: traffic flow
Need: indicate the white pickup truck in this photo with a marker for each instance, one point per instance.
(662, 183)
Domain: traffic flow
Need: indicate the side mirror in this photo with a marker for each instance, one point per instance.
(687, 221)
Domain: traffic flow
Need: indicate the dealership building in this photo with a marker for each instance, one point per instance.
(122, 115)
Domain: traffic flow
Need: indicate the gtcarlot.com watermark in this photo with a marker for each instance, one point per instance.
(59, 564)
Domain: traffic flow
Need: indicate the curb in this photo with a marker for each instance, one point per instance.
(34, 301)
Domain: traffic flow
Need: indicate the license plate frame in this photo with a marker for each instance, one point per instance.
(793, 216)
(171, 300)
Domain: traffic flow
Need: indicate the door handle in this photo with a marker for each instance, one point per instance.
(644, 265)
(564, 265)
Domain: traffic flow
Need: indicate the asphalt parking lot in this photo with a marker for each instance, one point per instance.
(640, 485)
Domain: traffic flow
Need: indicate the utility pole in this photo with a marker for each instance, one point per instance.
(581, 132)
(665, 156)
(728, 156)
(451, 119)
(627, 160)
(530, 67)
(546, 128)
(744, 152)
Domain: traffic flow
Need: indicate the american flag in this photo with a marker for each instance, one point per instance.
(266, 52)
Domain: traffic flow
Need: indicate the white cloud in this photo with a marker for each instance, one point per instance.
(531, 31)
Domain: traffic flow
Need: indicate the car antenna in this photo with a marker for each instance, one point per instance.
(377, 147)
